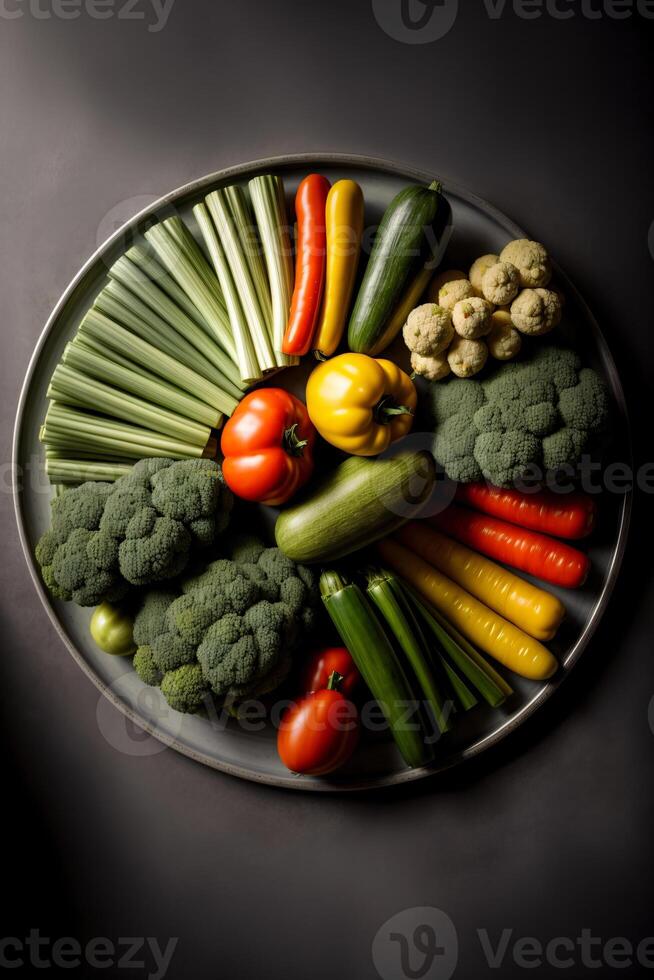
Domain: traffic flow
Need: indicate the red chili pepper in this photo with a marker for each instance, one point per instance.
(570, 516)
(319, 733)
(533, 553)
(310, 204)
(268, 447)
(322, 663)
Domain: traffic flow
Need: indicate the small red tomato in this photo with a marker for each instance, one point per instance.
(319, 733)
(322, 663)
(268, 447)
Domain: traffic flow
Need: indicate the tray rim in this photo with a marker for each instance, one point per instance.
(317, 160)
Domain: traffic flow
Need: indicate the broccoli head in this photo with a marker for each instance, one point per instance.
(230, 630)
(185, 688)
(105, 538)
(544, 411)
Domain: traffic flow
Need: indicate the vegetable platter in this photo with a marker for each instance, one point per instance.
(425, 591)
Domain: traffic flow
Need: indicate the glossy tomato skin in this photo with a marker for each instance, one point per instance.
(263, 461)
(323, 662)
(318, 734)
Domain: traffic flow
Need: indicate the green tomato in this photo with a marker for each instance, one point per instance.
(111, 628)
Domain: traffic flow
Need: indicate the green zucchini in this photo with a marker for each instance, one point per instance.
(388, 596)
(415, 230)
(359, 502)
(378, 664)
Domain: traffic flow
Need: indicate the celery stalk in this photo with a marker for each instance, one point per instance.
(192, 273)
(144, 258)
(150, 388)
(102, 329)
(118, 304)
(118, 447)
(245, 353)
(269, 203)
(65, 427)
(79, 471)
(73, 388)
(223, 219)
(206, 356)
(250, 246)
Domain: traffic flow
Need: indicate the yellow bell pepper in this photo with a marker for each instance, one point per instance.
(344, 227)
(360, 404)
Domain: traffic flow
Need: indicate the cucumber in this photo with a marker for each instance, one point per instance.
(357, 503)
(379, 665)
(415, 229)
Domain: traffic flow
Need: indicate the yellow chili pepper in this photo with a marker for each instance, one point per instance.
(344, 226)
(487, 630)
(360, 404)
(534, 610)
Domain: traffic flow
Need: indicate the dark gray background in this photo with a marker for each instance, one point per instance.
(549, 120)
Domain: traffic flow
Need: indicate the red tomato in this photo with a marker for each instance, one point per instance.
(319, 733)
(321, 665)
(268, 447)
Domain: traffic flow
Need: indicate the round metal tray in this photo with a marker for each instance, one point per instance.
(250, 754)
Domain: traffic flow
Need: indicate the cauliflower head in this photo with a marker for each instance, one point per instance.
(439, 280)
(501, 283)
(230, 631)
(471, 318)
(477, 270)
(531, 260)
(106, 538)
(536, 311)
(428, 329)
(432, 368)
(504, 341)
(542, 412)
(466, 357)
(454, 291)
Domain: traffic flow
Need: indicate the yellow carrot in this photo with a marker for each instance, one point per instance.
(534, 610)
(488, 631)
(344, 227)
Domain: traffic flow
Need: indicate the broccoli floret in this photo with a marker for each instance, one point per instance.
(105, 538)
(185, 689)
(146, 668)
(238, 622)
(151, 617)
(543, 411)
(87, 571)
